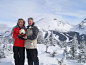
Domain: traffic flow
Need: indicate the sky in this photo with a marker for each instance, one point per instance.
(73, 11)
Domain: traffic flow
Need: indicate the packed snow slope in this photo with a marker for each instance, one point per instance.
(44, 58)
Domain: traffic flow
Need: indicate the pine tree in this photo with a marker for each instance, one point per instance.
(47, 44)
(82, 52)
(74, 47)
(4, 47)
(53, 41)
(41, 38)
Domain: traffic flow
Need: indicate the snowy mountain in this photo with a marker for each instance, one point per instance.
(61, 26)
(81, 27)
(4, 29)
(62, 30)
(46, 24)
(53, 24)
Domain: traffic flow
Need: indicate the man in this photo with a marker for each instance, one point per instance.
(31, 42)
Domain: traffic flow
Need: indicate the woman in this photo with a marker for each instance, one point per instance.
(18, 48)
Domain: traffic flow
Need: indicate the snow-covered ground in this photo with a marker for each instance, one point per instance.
(44, 58)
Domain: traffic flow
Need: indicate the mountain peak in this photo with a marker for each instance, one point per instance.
(53, 24)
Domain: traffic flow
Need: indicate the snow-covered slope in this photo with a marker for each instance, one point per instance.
(44, 58)
(53, 24)
(81, 28)
(61, 26)
(62, 29)
(4, 29)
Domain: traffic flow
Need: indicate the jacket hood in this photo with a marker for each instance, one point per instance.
(19, 27)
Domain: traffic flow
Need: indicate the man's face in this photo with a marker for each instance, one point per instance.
(30, 22)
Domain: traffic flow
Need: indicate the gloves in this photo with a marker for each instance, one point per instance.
(21, 37)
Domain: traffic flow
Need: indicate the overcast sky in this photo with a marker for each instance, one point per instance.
(73, 11)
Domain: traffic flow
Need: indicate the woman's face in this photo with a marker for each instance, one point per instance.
(20, 23)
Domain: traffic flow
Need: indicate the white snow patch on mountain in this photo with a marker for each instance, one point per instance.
(53, 24)
(4, 28)
(81, 28)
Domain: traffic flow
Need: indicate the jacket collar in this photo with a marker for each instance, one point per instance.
(20, 28)
(31, 25)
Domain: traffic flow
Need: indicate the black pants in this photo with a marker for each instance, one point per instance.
(32, 56)
(19, 55)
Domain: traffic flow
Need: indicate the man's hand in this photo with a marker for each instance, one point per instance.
(25, 37)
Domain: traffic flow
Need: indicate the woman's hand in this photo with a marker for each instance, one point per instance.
(25, 37)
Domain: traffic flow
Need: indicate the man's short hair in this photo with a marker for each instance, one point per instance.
(30, 18)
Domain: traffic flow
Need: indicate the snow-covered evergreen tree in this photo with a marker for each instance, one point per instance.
(5, 47)
(40, 39)
(53, 41)
(82, 52)
(63, 44)
(74, 47)
(52, 38)
(47, 44)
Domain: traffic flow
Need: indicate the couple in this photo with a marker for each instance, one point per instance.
(28, 41)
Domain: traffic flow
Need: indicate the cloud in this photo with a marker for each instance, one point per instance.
(67, 7)
(79, 14)
(11, 10)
